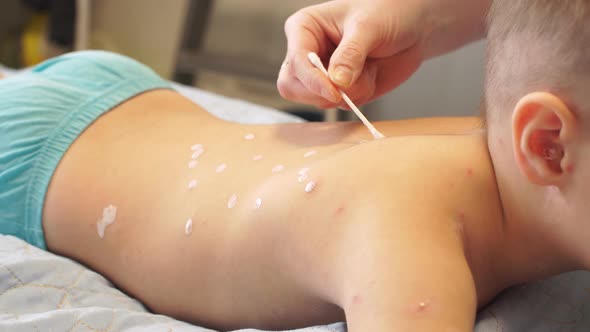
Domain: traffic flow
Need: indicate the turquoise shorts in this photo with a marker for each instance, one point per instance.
(42, 112)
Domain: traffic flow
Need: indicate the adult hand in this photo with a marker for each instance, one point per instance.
(369, 47)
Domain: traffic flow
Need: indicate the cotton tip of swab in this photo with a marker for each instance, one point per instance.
(317, 62)
(376, 134)
(315, 59)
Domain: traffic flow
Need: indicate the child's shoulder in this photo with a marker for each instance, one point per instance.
(440, 188)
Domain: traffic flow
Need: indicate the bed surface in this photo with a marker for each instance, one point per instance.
(40, 291)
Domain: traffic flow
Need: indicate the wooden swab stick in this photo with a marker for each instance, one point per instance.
(317, 62)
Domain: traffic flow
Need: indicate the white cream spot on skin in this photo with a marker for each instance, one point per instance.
(100, 227)
(302, 178)
(192, 184)
(258, 202)
(363, 141)
(303, 174)
(233, 200)
(109, 214)
(278, 168)
(249, 137)
(192, 164)
(221, 168)
(197, 154)
(197, 147)
(309, 186)
(188, 227)
(309, 153)
(257, 158)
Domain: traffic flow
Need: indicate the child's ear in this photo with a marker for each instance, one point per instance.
(543, 129)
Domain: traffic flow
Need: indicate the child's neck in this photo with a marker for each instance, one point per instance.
(534, 244)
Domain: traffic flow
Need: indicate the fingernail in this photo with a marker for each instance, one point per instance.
(330, 95)
(342, 76)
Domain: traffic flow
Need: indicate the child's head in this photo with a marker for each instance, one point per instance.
(538, 105)
(537, 45)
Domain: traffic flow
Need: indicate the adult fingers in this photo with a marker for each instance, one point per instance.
(383, 75)
(304, 35)
(291, 88)
(363, 89)
(347, 63)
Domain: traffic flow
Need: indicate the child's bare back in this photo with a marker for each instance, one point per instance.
(259, 227)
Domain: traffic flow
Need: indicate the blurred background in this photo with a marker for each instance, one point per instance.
(230, 47)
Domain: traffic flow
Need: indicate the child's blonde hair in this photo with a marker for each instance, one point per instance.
(537, 45)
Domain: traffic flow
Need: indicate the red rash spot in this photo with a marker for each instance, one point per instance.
(422, 307)
(339, 211)
(357, 299)
(470, 171)
(462, 216)
(569, 168)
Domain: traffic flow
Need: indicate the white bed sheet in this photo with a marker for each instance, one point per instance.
(40, 291)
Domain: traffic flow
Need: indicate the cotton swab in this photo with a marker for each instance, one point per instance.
(317, 62)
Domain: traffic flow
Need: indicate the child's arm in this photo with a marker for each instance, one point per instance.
(409, 277)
